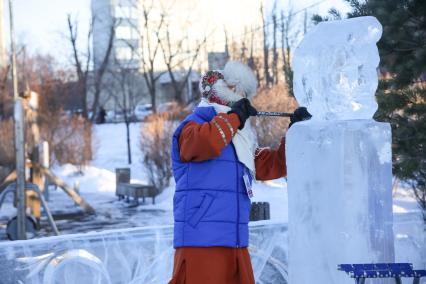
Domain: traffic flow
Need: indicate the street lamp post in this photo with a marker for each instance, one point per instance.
(19, 139)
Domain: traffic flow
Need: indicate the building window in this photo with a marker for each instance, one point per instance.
(126, 12)
(124, 53)
(123, 32)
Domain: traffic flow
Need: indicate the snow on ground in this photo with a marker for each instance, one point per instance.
(111, 153)
(404, 201)
(274, 192)
(97, 186)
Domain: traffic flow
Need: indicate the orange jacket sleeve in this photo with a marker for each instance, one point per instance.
(270, 164)
(201, 142)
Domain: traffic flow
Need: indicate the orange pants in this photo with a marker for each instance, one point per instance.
(212, 265)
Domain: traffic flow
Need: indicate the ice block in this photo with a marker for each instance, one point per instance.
(339, 163)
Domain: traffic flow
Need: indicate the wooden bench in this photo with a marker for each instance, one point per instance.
(125, 189)
(360, 272)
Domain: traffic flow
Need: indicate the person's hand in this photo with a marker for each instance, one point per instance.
(300, 114)
(244, 110)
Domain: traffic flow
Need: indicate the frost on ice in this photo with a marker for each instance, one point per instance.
(338, 163)
(335, 73)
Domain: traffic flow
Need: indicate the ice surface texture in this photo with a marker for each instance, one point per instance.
(142, 255)
(339, 163)
(335, 69)
(340, 198)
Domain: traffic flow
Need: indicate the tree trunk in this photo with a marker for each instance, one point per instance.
(68, 190)
(129, 151)
(265, 50)
(275, 53)
(153, 99)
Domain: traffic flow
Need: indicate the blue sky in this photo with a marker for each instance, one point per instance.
(42, 24)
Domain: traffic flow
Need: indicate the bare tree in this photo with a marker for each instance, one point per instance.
(225, 32)
(172, 55)
(286, 50)
(125, 90)
(99, 73)
(156, 145)
(252, 60)
(82, 66)
(69, 137)
(268, 79)
(274, 47)
(150, 46)
(7, 153)
(239, 51)
(6, 96)
(5, 99)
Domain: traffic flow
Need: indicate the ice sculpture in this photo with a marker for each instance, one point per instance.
(338, 163)
(334, 67)
(141, 255)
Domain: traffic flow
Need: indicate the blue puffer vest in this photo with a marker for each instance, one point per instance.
(211, 205)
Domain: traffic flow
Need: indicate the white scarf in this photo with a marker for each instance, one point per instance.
(245, 140)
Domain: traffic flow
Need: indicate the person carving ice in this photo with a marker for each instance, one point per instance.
(215, 158)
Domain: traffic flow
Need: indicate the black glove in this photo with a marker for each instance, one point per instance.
(244, 110)
(300, 114)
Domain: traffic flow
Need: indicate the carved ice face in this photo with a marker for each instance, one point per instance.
(335, 69)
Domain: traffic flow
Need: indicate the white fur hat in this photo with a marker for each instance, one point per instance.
(241, 76)
(217, 84)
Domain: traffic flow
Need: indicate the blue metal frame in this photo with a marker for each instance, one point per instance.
(360, 272)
